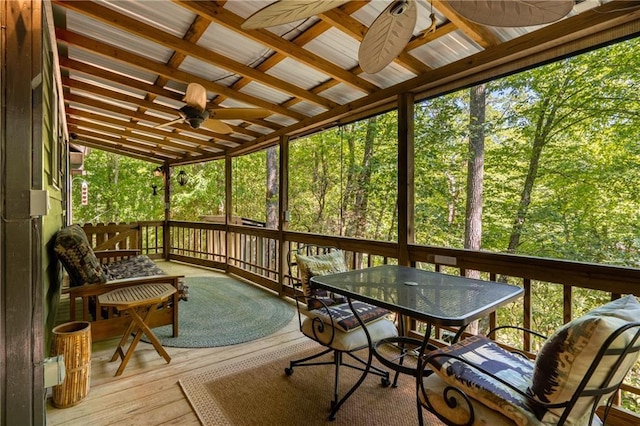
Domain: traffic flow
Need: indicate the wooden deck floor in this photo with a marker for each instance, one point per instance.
(148, 392)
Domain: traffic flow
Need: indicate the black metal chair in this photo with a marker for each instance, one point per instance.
(580, 368)
(328, 319)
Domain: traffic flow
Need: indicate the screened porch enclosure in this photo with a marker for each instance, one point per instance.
(506, 154)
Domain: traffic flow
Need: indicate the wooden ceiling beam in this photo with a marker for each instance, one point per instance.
(425, 38)
(177, 44)
(154, 89)
(83, 100)
(124, 141)
(301, 39)
(232, 21)
(476, 32)
(98, 143)
(153, 67)
(128, 133)
(166, 135)
(146, 104)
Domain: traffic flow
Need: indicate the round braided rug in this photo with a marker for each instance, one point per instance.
(223, 311)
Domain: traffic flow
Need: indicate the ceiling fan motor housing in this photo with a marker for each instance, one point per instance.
(193, 116)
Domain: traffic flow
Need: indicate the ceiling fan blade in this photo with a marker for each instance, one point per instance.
(217, 126)
(387, 36)
(196, 96)
(512, 13)
(168, 123)
(238, 113)
(286, 11)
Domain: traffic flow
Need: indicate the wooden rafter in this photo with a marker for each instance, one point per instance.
(232, 21)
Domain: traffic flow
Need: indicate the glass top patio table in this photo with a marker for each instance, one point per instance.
(432, 297)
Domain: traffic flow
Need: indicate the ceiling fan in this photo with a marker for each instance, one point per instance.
(196, 114)
(387, 37)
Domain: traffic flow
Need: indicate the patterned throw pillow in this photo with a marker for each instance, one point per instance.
(567, 355)
(479, 350)
(320, 264)
(73, 249)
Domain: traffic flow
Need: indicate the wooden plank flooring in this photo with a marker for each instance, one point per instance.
(148, 392)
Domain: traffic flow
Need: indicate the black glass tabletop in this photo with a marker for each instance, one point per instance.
(428, 296)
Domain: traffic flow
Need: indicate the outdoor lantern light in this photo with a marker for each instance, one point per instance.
(155, 189)
(158, 171)
(182, 178)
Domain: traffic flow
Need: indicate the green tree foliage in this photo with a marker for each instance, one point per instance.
(203, 195)
(119, 190)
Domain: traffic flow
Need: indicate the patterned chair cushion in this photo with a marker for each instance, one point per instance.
(565, 358)
(320, 264)
(342, 315)
(485, 353)
(74, 251)
(137, 266)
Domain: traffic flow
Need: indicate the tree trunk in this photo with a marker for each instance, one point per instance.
(475, 169)
(361, 202)
(543, 127)
(272, 188)
(475, 178)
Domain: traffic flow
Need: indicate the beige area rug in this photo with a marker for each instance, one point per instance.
(256, 391)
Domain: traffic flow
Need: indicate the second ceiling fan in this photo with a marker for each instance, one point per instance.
(388, 35)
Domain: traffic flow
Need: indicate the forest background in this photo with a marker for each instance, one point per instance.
(541, 163)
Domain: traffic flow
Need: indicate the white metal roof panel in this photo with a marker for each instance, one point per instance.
(110, 65)
(205, 70)
(233, 45)
(337, 47)
(261, 91)
(446, 49)
(106, 84)
(390, 75)
(308, 108)
(113, 36)
(166, 16)
(342, 93)
(297, 73)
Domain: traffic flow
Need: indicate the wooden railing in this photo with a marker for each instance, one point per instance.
(260, 255)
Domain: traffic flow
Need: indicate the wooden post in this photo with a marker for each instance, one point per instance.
(228, 207)
(283, 210)
(22, 394)
(406, 227)
(166, 230)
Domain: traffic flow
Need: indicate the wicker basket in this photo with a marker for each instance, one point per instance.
(73, 340)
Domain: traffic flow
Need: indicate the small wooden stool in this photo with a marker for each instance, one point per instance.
(139, 302)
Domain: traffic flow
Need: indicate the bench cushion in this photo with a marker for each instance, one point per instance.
(137, 266)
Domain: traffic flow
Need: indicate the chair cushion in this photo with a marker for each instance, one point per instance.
(565, 358)
(484, 352)
(137, 266)
(320, 264)
(435, 389)
(342, 315)
(74, 251)
(352, 340)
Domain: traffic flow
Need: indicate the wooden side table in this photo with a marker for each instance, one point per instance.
(139, 302)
